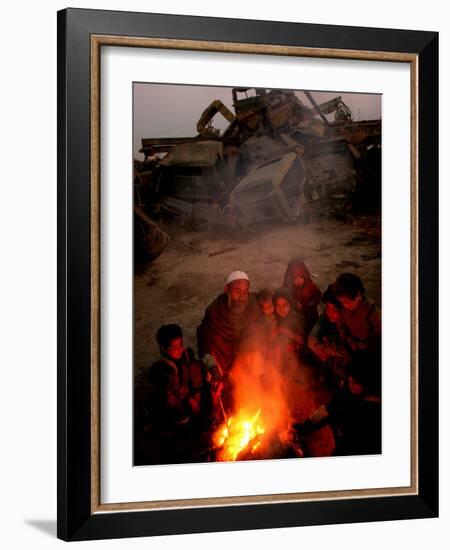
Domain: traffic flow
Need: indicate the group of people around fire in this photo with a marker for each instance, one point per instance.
(336, 333)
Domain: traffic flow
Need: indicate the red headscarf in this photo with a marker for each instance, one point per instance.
(297, 268)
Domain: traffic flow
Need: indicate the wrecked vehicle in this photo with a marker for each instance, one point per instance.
(150, 240)
(277, 159)
(271, 190)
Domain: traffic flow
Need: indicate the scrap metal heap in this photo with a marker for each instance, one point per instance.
(276, 160)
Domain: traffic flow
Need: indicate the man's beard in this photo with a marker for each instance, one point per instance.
(237, 307)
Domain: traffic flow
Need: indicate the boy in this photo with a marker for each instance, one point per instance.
(176, 380)
(325, 342)
(360, 317)
(265, 302)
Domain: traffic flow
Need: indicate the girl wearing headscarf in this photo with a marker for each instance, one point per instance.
(305, 293)
(288, 334)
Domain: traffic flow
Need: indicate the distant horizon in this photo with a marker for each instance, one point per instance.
(172, 110)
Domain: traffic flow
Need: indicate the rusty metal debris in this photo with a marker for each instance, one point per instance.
(271, 190)
(150, 240)
(277, 159)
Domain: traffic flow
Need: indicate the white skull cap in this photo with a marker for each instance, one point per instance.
(236, 276)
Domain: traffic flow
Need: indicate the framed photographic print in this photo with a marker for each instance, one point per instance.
(247, 252)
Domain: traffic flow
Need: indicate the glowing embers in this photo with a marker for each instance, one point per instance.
(259, 425)
(242, 432)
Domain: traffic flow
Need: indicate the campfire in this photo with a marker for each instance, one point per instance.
(241, 431)
(260, 425)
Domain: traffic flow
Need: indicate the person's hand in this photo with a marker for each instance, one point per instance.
(212, 368)
(319, 414)
(209, 361)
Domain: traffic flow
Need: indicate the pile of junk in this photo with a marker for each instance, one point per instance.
(277, 160)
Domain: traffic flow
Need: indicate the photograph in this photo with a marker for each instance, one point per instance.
(257, 273)
(228, 253)
(247, 274)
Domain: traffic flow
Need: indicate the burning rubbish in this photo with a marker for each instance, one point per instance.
(277, 159)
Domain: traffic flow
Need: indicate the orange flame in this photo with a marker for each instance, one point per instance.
(257, 386)
(234, 436)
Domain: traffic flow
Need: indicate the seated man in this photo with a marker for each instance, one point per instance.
(230, 322)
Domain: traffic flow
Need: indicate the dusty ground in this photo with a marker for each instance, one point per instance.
(177, 287)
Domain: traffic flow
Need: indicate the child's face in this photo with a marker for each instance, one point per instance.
(332, 312)
(267, 308)
(175, 348)
(299, 280)
(349, 303)
(282, 307)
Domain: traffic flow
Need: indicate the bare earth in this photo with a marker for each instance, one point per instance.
(178, 286)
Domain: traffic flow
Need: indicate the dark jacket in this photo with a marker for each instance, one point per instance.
(362, 325)
(325, 342)
(173, 383)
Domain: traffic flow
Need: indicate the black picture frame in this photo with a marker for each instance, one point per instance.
(77, 518)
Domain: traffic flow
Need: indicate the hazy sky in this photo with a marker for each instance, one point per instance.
(168, 110)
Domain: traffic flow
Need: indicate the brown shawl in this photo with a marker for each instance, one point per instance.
(221, 333)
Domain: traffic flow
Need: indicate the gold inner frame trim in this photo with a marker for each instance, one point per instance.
(97, 41)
